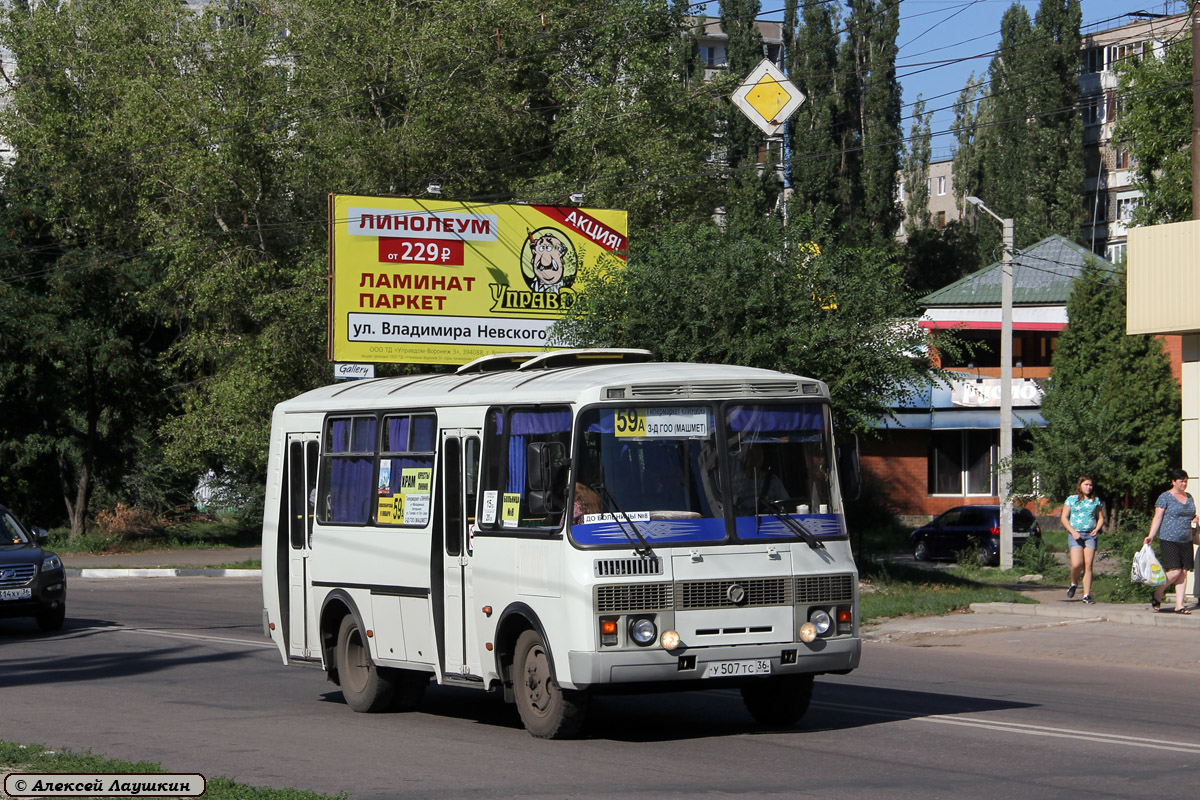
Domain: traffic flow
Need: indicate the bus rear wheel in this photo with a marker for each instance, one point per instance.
(547, 710)
(363, 687)
(778, 701)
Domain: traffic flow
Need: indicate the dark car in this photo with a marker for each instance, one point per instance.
(32, 580)
(974, 529)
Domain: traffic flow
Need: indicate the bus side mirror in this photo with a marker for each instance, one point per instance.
(545, 474)
(849, 470)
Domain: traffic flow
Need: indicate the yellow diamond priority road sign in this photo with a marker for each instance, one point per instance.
(767, 97)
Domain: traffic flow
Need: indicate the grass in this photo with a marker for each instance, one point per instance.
(898, 590)
(39, 759)
(189, 535)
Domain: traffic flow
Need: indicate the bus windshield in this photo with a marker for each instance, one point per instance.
(682, 474)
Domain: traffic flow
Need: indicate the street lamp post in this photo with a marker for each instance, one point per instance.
(1006, 377)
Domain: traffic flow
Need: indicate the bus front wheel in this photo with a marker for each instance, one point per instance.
(363, 687)
(780, 700)
(547, 710)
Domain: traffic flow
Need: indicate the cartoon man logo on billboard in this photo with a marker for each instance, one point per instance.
(548, 261)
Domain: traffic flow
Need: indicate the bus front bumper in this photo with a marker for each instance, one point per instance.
(655, 666)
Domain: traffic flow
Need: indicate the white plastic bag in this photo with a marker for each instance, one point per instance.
(1146, 568)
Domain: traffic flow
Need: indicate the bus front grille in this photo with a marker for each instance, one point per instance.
(620, 567)
(633, 597)
(733, 593)
(825, 589)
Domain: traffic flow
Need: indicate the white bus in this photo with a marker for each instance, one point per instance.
(560, 525)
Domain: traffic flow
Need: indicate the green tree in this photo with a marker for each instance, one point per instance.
(1027, 158)
(1155, 126)
(812, 45)
(916, 169)
(871, 119)
(1112, 405)
(1056, 181)
(812, 306)
(969, 115)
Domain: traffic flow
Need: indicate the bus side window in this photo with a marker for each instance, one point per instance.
(347, 470)
(506, 487)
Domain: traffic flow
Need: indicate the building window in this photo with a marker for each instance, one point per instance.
(1092, 110)
(1126, 203)
(941, 219)
(1119, 53)
(1115, 253)
(1122, 159)
(941, 185)
(962, 462)
(1091, 60)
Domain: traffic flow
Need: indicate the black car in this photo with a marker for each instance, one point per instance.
(974, 529)
(32, 580)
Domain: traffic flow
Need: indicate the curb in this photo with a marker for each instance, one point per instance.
(1109, 613)
(90, 572)
(898, 635)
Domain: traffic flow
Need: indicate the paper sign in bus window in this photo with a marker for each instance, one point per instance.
(510, 514)
(661, 423)
(488, 516)
(386, 512)
(416, 487)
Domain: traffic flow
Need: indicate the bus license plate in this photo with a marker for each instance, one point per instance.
(728, 669)
(16, 594)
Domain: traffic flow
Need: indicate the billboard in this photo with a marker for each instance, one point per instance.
(444, 282)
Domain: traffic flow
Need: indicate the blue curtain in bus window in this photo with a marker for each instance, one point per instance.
(776, 420)
(423, 434)
(397, 435)
(350, 489)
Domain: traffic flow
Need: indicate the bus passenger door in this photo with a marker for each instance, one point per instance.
(301, 485)
(460, 477)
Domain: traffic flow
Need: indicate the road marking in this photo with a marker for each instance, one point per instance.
(200, 636)
(1021, 728)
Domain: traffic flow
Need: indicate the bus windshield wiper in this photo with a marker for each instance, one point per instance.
(641, 546)
(780, 512)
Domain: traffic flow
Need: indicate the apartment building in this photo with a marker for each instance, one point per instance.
(1110, 196)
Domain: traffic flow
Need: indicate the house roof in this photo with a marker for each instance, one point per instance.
(1042, 275)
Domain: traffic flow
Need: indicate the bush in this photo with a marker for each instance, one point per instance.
(126, 522)
(1032, 558)
(1128, 530)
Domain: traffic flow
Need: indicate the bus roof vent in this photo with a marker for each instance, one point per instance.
(587, 357)
(497, 362)
(625, 567)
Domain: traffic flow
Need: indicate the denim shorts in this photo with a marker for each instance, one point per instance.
(1084, 540)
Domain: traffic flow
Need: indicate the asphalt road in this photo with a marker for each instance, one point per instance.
(177, 671)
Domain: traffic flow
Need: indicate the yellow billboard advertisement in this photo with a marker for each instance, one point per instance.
(444, 282)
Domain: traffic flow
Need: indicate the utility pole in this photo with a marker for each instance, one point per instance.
(1004, 474)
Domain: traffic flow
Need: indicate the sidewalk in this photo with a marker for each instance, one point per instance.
(1053, 610)
(162, 564)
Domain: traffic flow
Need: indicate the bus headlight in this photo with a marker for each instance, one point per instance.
(642, 631)
(821, 620)
(670, 640)
(808, 632)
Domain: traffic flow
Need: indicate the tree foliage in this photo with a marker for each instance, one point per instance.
(789, 299)
(916, 168)
(179, 164)
(1112, 404)
(1021, 144)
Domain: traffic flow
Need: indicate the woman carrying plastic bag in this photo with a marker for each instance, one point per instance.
(1174, 511)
